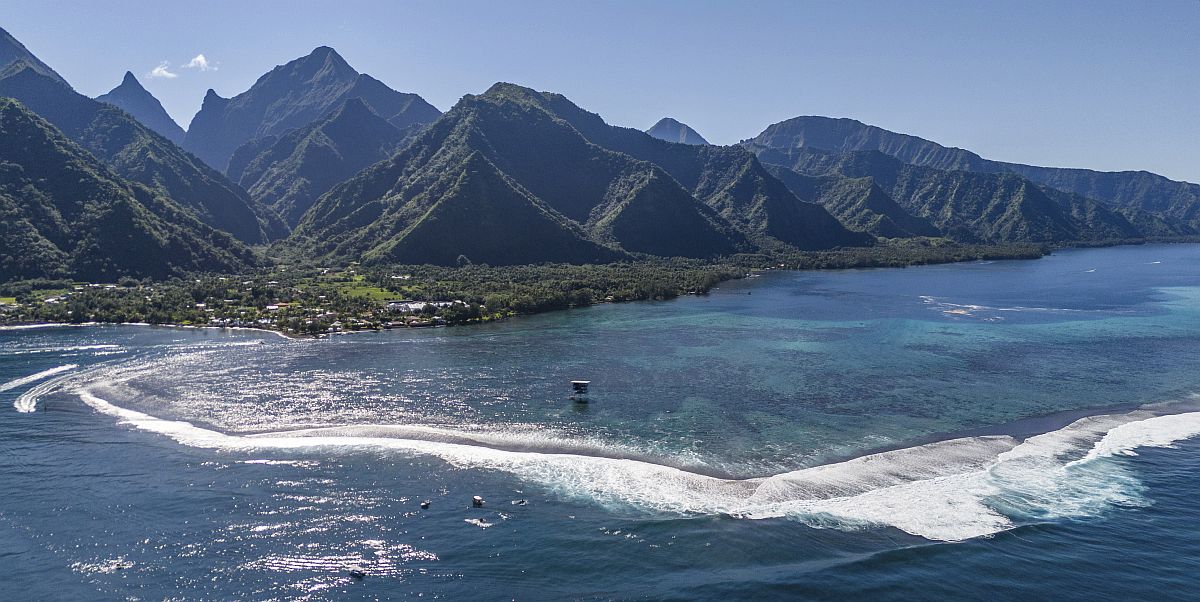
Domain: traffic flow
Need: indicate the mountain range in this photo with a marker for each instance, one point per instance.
(1133, 190)
(329, 165)
(967, 206)
(66, 214)
(584, 202)
(135, 152)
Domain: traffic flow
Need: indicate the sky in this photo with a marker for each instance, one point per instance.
(1096, 84)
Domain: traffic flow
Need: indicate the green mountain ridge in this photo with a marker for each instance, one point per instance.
(728, 179)
(137, 153)
(967, 206)
(65, 214)
(511, 227)
(859, 203)
(1131, 190)
(297, 168)
(595, 194)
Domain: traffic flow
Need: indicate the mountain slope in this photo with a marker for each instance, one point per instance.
(13, 51)
(728, 179)
(525, 171)
(65, 214)
(137, 153)
(859, 203)
(510, 227)
(968, 206)
(292, 96)
(300, 166)
(674, 131)
(1135, 190)
(132, 98)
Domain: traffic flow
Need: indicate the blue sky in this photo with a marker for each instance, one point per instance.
(1097, 84)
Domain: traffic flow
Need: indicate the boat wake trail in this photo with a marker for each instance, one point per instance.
(32, 378)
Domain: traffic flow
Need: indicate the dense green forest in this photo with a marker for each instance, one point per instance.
(65, 213)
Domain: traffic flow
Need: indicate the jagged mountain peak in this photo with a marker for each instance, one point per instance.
(133, 98)
(322, 63)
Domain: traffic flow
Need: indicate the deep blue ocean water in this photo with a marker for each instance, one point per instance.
(1008, 430)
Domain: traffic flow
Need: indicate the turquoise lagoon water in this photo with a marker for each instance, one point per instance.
(1002, 429)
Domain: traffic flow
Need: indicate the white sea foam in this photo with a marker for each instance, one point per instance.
(32, 378)
(948, 490)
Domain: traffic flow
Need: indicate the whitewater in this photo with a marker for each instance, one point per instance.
(948, 490)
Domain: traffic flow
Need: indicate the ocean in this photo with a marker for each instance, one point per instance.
(1007, 429)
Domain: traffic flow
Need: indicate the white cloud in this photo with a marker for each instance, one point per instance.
(200, 62)
(163, 71)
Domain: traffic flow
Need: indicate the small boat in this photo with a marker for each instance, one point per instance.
(580, 388)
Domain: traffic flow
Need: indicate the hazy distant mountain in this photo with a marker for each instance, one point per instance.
(673, 131)
(292, 171)
(1136, 190)
(967, 206)
(137, 153)
(63, 213)
(13, 51)
(499, 179)
(132, 98)
(291, 96)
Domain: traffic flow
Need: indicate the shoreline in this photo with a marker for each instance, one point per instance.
(1048, 251)
(39, 325)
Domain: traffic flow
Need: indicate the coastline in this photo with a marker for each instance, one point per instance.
(875, 463)
(38, 325)
(1004, 253)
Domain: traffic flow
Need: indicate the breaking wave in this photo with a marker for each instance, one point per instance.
(947, 490)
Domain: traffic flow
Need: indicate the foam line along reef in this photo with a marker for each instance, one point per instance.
(948, 490)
